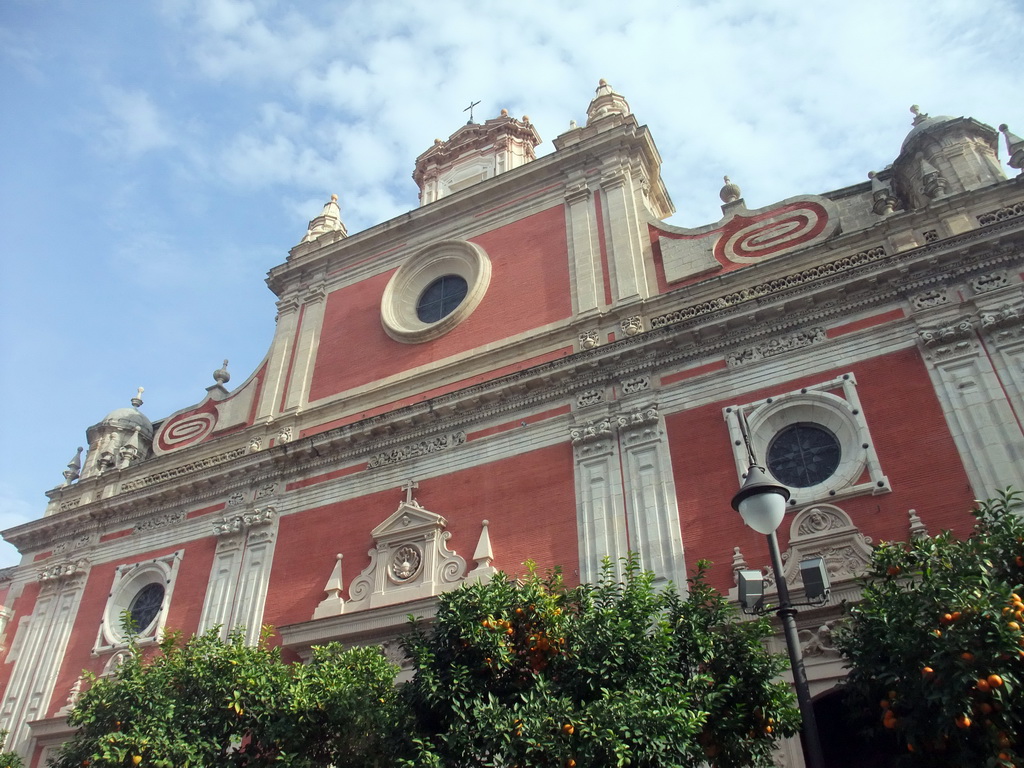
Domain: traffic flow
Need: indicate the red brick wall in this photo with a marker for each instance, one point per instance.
(911, 438)
(529, 501)
(529, 288)
(184, 612)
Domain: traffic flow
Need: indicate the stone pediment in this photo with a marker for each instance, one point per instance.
(409, 519)
(410, 560)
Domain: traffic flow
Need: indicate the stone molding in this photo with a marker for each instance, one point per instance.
(777, 346)
(419, 448)
(657, 349)
(232, 524)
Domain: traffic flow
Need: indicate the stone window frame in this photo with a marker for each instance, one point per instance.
(402, 294)
(832, 404)
(129, 580)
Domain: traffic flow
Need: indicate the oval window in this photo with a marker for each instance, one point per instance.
(145, 606)
(441, 298)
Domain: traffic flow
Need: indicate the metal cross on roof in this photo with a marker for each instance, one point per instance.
(470, 109)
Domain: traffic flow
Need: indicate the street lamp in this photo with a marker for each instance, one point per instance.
(762, 505)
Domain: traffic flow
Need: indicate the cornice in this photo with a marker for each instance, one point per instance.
(197, 476)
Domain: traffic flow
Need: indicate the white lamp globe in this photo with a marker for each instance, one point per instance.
(760, 502)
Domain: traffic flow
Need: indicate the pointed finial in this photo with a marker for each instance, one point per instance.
(137, 400)
(221, 375)
(329, 220)
(606, 102)
(74, 469)
(917, 529)
(1014, 148)
(730, 193)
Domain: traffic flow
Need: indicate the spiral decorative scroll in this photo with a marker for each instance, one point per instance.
(746, 239)
(186, 429)
(361, 587)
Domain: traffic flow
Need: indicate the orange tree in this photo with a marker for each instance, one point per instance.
(935, 648)
(209, 702)
(528, 673)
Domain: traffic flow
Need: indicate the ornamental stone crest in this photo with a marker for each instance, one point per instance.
(410, 560)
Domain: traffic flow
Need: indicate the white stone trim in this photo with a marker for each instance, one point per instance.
(128, 581)
(820, 405)
(402, 294)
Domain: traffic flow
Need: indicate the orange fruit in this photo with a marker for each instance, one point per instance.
(927, 671)
(995, 681)
(893, 570)
(963, 721)
(568, 729)
(937, 632)
(982, 685)
(884, 703)
(570, 763)
(136, 759)
(967, 656)
(956, 615)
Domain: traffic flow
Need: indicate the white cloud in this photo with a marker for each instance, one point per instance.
(133, 124)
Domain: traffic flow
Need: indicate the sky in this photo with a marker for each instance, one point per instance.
(157, 158)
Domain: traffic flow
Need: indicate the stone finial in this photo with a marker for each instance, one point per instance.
(334, 603)
(739, 563)
(1014, 148)
(730, 193)
(504, 113)
(221, 375)
(606, 102)
(572, 125)
(932, 180)
(919, 116)
(484, 555)
(884, 200)
(329, 220)
(137, 400)
(917, 529)
(74, 469)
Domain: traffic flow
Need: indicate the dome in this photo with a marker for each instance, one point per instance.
(128, 418)
(923, 123)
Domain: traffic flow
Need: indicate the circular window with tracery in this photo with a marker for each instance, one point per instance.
(434, 290)
(145, 606)
(802, 455)
(441, 298)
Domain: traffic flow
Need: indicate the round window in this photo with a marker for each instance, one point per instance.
(441, 298)
(802, 455)
(145, 606)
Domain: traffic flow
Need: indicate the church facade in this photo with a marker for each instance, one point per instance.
(534, 365)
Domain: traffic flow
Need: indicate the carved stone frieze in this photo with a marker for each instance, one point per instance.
(990, 281)
(589, 339)
(1001, 317)
(1001, 214)
(777, 346)
(232, 524)
(236, 499)
(929, 299)
(589, 397)
(60, 572)
(761, 290)
(183, 469)
(946, 334)
(420, 448)
(255, 444)
(818, 642)
(591, 431)
(632, 325)
(160, 521)
(635, 384)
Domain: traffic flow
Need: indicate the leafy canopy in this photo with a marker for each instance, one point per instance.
(936, 650)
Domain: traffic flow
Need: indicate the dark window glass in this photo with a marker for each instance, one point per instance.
(803, 455)
(441, 298)
(146, 605)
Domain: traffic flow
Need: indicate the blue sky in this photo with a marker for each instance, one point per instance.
(157, 158)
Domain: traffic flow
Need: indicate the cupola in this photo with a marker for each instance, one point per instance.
(943, 156)
(474, 153)
(124, 437)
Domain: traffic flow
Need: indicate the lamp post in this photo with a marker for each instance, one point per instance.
(762, 505)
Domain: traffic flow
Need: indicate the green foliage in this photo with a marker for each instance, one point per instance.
(526, 672)
(9, 759)
(512, 673)
(935, 647)
(209, 702)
